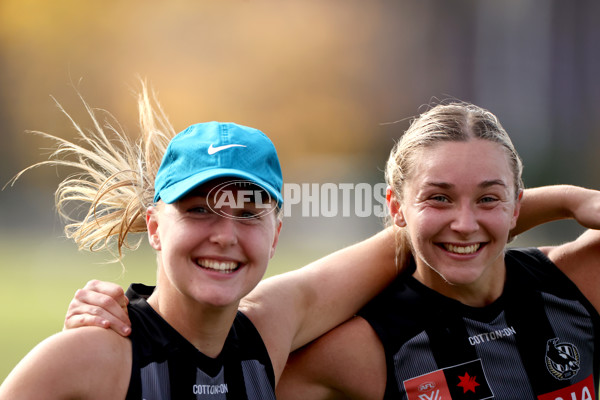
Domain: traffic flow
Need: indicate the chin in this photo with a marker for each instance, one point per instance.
(461, 277)
(222, 303)
(216, 299)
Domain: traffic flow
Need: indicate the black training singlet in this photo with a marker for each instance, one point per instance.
(539, 340)
(168, 367)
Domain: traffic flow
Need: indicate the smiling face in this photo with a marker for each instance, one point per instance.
(207, 258)
(458, 206)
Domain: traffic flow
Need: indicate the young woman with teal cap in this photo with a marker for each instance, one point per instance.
(209, 200)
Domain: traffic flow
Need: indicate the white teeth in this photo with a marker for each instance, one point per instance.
(462, 249)
(224, 266)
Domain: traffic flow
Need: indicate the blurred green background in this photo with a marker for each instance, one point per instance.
(332, 82)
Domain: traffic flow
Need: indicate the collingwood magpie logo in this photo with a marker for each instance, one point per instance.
(562, 359)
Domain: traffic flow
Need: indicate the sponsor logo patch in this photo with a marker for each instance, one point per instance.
(459, 382)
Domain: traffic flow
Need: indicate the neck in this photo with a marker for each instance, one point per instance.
(480, 293)
(204, 326)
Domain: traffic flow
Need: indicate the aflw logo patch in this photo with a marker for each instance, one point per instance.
(459, 382)
(562, 359)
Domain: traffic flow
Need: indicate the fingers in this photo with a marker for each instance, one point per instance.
(91, 306)
(108, 288)
(79, 320)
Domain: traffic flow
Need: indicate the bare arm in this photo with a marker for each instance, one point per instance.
(294, 308)
(348, 362)
(89, 363)
(552, 203)
(580, 261)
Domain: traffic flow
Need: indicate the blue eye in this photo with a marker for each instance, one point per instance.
(440, 198)
(488, 199)
(248, 214)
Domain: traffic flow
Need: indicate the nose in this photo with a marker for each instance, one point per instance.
(465, 220)
(224, 232)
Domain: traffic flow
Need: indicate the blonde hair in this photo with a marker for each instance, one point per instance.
(114, 181)
(454, 121)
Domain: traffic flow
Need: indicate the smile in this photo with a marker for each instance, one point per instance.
(470, 249)
(226, 267)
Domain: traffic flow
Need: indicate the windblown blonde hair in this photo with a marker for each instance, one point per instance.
(114, 181)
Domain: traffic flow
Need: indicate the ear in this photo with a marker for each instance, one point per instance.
(276, 237)
(517, 210)
(394, 207)
(152, 227)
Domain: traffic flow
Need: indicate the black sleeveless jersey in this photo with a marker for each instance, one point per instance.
(539, 340)
(168, 367)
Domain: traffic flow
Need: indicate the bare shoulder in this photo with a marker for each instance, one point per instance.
(86, 363)
(347, 362)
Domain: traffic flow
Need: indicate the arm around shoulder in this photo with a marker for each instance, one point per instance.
(299, 306)
(86, 363)
(347, 362)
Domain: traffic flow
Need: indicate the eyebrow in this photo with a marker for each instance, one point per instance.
(485, 184)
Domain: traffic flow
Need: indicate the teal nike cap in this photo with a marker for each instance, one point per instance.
(210, 150)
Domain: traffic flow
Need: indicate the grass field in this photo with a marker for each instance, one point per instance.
(39, 277)
(37, 281)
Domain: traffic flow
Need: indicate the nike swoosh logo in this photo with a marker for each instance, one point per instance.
(212, 150)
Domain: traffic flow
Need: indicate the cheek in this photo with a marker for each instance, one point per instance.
(506, 212)
(177, 238)
(423, 222)
(260, 244)
(419, 232)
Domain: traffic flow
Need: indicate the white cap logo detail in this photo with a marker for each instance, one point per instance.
(212, 150)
